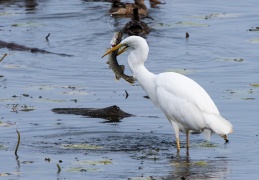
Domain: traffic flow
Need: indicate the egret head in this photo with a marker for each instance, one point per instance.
(137, 45)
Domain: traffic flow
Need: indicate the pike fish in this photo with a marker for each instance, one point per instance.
(113, 63)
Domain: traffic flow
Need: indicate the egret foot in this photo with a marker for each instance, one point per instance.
(225, 138)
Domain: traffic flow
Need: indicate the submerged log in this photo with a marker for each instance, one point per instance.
(18, 47)
(111, 113)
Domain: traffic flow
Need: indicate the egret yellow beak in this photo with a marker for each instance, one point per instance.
(116, 48)
(122, 50)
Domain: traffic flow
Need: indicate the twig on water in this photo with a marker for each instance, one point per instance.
(127, 95)
(187, 35)
(3, 57)
(59, 168)
(47, 37)
(18, 143)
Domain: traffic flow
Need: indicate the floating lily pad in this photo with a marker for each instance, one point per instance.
(142, 178)
(27, 162)
(28, 109)
(13, 66)
(200, 163)
(255, 40)
(217, 16)
(5, 14)
(207, 144)
(182, 71)
(190, 24)
(255, 85)
(94, 163)
(8, 174)
(6, 124)
(26, 24)
(1, 147)
(180, 164)
(254, 29)
(232, 59)
(80, 93)
(81, 146)
(52, 100)
(82, 169)
(185, 163)
(248, 98)
(173, 25)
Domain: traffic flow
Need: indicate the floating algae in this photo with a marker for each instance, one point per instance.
(94, 163)
(207, 144)
(255, 85)
(81, 146)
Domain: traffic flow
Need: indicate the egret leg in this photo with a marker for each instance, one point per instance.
(187, 139)
(176, 131)
(178, 144)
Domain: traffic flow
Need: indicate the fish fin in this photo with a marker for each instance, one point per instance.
(122, 67)
(117, 77)
(108, 62)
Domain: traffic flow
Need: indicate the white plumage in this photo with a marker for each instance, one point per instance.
(185, 103)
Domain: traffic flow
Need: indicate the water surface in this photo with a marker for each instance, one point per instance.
(220, 54)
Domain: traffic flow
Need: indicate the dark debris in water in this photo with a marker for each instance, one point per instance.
(254, 29)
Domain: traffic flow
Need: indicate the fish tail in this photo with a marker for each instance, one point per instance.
(129, 79)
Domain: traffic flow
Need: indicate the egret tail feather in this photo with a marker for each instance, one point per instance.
(218, 124)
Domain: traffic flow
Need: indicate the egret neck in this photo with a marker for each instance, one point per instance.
(145, 78)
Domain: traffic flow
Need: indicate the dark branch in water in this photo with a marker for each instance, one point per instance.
(187, 35)
(3, 57)
(18, 143)
(47, 37)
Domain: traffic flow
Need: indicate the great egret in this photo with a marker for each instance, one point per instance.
(184, 102)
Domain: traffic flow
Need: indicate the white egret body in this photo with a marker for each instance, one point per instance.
(185, 103)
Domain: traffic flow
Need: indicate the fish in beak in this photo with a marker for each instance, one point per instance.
(124, 48)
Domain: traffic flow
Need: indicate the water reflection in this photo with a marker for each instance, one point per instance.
(187, 168)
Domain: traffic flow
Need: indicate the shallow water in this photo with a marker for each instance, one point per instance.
(221, 55)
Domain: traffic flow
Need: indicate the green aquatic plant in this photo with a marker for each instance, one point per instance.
(81, 146)
(59, 168)
(95, 162)
(1, 147)
(82, 169)
(200, 163)
(207, 144)
(255, 40)
(31, 24)
(255, 85)
(190, 24)
(183, 71)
